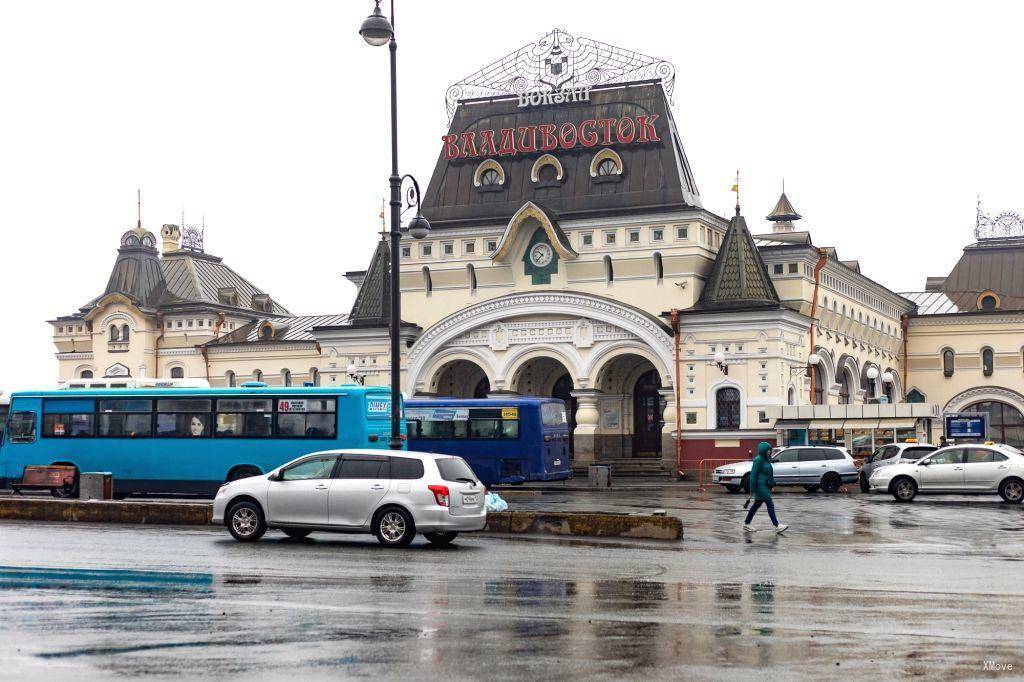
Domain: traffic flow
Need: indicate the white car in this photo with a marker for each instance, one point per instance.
(393, 496)
(812, 466)
(974, 468)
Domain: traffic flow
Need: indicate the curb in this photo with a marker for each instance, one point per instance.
(200, 514)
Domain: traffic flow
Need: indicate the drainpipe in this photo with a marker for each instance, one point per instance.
(905, 326)
(822, 260)
(217, 325)
(206, 359)
(679, 423)
(156, 343)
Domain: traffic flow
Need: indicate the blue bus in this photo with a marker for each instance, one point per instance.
(505, 441)
(187, 440)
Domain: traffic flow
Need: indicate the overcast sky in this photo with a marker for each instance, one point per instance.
(270, 119)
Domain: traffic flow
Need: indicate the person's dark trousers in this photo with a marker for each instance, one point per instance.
(757, 505)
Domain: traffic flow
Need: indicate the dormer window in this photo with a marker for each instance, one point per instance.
(489, 176)
(266, 331)
(606, 166)
(262, 302)
(228, 296)
(547, 171)
(988, 300)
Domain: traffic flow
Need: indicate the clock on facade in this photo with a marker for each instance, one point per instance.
(541, 254)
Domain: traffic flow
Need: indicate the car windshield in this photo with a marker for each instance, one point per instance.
(915, 453)
(455, 469)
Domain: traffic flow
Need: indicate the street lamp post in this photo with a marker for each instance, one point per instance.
(376, 30)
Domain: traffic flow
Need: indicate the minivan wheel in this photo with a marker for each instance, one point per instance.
(745, 483)
(442, 539)
(830, 482)
(394, 527)
(1012, 490)
(297, 533)
(864, 486)
(245, 522)
(903, 489)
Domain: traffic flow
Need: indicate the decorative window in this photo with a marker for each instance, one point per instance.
(489, 176)
(844, 389)
(85, 374)
(587, 240)
(691, 417)
(286, 377)
(257, 375)
(727, 408)
(426, 250)
(683, 232)
(447, 249)
(606, 165)
(428, 283)
(406, 251)
(793, 268)
(471, 274)
(659, 267)
(948, 362)
(551, 167)
(266, 332)
(469, 247)
(657, 234)
(633, 236)
(790, 396)
(609, 271)
(609, 238)
(988, 301)
(177, 372)
(229, 378)
(987, 361)
(491, 245)
(762, 417)
(114, 334)
(777, 269)
(314, 376)
(818, 390)
(915, 396)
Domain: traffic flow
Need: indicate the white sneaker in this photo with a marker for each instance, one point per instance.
(748, 528)
(781, 529)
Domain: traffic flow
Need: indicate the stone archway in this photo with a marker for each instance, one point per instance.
(632, 398)
(460, 379)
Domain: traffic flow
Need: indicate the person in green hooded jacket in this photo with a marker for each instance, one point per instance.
(762, 480)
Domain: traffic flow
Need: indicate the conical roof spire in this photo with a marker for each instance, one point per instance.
(783, 215)
(373, 304)
(739, 278)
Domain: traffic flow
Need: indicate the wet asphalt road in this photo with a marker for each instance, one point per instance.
(861, 587)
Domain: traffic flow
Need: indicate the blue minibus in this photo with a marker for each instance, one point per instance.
(187, 440)
(504, 440)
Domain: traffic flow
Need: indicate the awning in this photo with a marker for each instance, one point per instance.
(826, 424)
(781, 424)
(897, 423)
(860, 424)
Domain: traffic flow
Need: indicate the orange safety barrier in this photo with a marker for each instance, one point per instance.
(706, 467)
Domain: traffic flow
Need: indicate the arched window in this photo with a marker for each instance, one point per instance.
(727, 408)
(947, 362)
(988, 301)
(607, 167)
(113, 332)
(267, 331)
(229, 377)
(606, 164)
(427, 282)
(177, 372)
(915, 396)
(85, 374)
(844, 388)
(471, 274)
(124, 333)
(609, 271)
(314, 376)
(257, 375)
(987, 362)
(818, 392)
(790, 396)
(1005, 422)
(490, 178)
(286, 377)
(489, 175)
(659, 267)
(547, 168)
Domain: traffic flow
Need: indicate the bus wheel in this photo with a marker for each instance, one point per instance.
(242, 472)
(66, 491)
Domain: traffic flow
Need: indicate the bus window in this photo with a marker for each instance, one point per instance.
(21, 427)
(186, 417)
(244, 417)
(494, 429)
(68, 425)
(553, 414)
(125, 418)
(306, 418)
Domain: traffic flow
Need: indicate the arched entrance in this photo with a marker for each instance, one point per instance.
(563, 391)
(460, 379)
(648, 408)
(1005, 422)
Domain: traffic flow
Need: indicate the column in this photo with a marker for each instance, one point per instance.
(585, 434)
(668, 431)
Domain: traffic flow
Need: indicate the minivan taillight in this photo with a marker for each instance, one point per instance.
(440, 494)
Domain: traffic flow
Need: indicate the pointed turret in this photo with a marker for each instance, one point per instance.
(783, 215)
(739, 278)
(373, 304)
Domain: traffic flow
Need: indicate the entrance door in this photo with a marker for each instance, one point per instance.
(647, 416)
(563, 391)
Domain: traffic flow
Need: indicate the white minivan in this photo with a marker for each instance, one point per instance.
(393, 496)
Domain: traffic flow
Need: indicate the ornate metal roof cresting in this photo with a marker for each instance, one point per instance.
(192, 238)
(559, 61)
(1006, 224)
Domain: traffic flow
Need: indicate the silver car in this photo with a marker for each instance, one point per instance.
(893, 453)
(811, 466)
(393, 496)
(974, 468)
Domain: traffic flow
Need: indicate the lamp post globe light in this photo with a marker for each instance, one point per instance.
(378, 30)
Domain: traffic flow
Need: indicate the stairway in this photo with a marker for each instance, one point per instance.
(627, 467)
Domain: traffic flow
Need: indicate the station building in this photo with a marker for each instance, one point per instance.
(571, 256)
